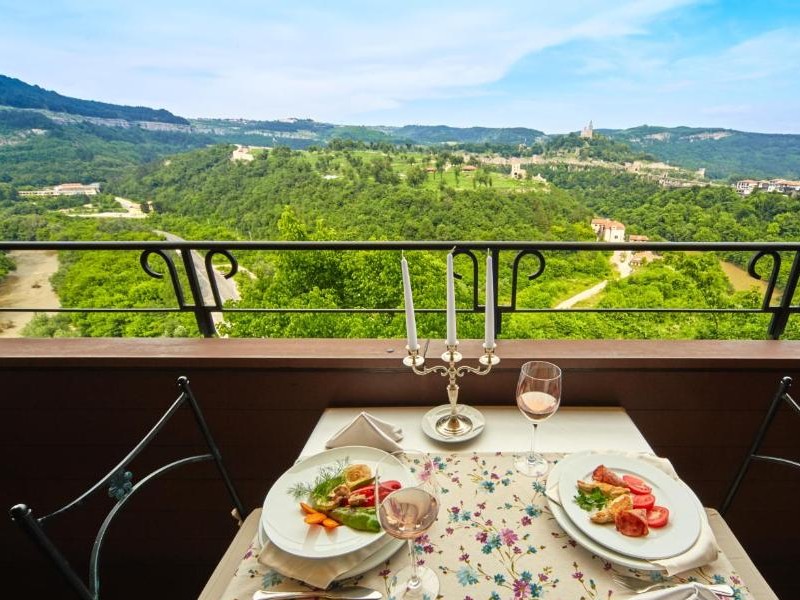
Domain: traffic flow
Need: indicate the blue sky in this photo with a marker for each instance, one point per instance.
(546, 65)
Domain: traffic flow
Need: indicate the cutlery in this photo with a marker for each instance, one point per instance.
(347, 593)
(640, 586)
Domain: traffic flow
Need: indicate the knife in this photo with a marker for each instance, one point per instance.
(355, 592)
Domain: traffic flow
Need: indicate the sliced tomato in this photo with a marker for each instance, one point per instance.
(636, 485)
(657, 516)
(645, 501)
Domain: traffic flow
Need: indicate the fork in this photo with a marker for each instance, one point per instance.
(640, 586)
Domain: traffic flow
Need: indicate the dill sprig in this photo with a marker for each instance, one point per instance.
(302, 490)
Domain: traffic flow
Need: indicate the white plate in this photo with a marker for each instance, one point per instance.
(432, 416)
(383, 554)
(283, 522)
(680, 533)
(573, 532)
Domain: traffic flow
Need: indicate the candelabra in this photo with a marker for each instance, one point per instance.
(450, 423)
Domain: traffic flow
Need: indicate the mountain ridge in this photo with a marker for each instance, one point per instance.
(723, 152)
(18, 94)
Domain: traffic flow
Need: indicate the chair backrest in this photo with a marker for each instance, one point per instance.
(781, 396)
(119, 485)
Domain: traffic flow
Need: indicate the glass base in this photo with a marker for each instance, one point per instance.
(427, 588)
(531, 466)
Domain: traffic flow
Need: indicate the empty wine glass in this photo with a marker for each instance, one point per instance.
(538, 397)
(407, 513)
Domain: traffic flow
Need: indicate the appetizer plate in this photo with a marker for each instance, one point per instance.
(282, 518)
(381, 555)
(583, 540)
(680, 533)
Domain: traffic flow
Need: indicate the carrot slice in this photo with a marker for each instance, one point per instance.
(315, 518)
(330, 523)
(307, 509)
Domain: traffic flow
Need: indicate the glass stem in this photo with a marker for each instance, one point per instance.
(532, 455)
(415, 581)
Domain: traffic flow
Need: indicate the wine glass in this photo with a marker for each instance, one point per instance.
(407, 513)
(538, 397)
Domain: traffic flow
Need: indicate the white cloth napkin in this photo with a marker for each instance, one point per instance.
(319, 572)
(366, 430)
(687, 591)
(704, 550)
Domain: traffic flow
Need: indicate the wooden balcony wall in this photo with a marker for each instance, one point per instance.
(71, 408)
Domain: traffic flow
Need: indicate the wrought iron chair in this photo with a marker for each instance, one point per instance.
(119, 485)
(781, 396)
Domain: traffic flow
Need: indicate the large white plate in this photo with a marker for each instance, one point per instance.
(680, 533)
(283, 522)
(585, 541)
(384, 553)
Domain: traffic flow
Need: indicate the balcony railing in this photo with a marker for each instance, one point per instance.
(198, 261)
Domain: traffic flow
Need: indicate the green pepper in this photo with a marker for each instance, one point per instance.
(363, 519)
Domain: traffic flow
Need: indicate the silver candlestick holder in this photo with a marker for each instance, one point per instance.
(452, 424)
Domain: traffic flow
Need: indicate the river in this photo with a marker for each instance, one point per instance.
(27, 287)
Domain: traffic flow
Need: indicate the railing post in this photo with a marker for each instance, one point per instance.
(202, 312)
(781, 316)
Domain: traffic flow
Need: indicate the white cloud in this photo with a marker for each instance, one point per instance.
(322, 63)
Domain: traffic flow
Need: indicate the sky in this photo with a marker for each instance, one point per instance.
(551, 66)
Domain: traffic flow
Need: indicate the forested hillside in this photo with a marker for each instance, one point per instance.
(724, 153)
(34, 150)
(19, 94)
(362, 194)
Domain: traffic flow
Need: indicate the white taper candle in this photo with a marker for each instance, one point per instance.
(489, 325)
(411, 322)
(451, 303)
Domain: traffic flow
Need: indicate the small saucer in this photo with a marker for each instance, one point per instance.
(432, 416)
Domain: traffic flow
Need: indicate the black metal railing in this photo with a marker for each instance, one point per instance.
(199, 272)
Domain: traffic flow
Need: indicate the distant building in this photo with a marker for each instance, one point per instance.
(65, 189)
(517, 172)
(638, 238)
(746, 186)
(588, 131)
(242, 153)
(640, 258)
(783, 186)
(608, 230)
(469, 168)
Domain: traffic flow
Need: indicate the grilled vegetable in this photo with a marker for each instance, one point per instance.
(363, 519)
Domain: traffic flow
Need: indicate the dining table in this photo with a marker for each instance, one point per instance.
(497, 535)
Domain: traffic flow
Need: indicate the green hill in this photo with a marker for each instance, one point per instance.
(724, 153)
(28, 110)
(19, 94)
(34, 150)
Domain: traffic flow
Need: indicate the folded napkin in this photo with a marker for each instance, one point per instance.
(687, 591)
(366, 430)
(319, 572)
(704, 550)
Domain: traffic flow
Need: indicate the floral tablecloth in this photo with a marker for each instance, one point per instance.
(495, 539)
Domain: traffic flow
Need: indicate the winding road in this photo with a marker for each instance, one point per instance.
(228, 289)
(620, 260)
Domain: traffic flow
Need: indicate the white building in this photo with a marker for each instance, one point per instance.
(608, 230)
(65, 189)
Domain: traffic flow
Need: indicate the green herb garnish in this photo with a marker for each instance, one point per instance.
(325, 477)
(590, 501)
